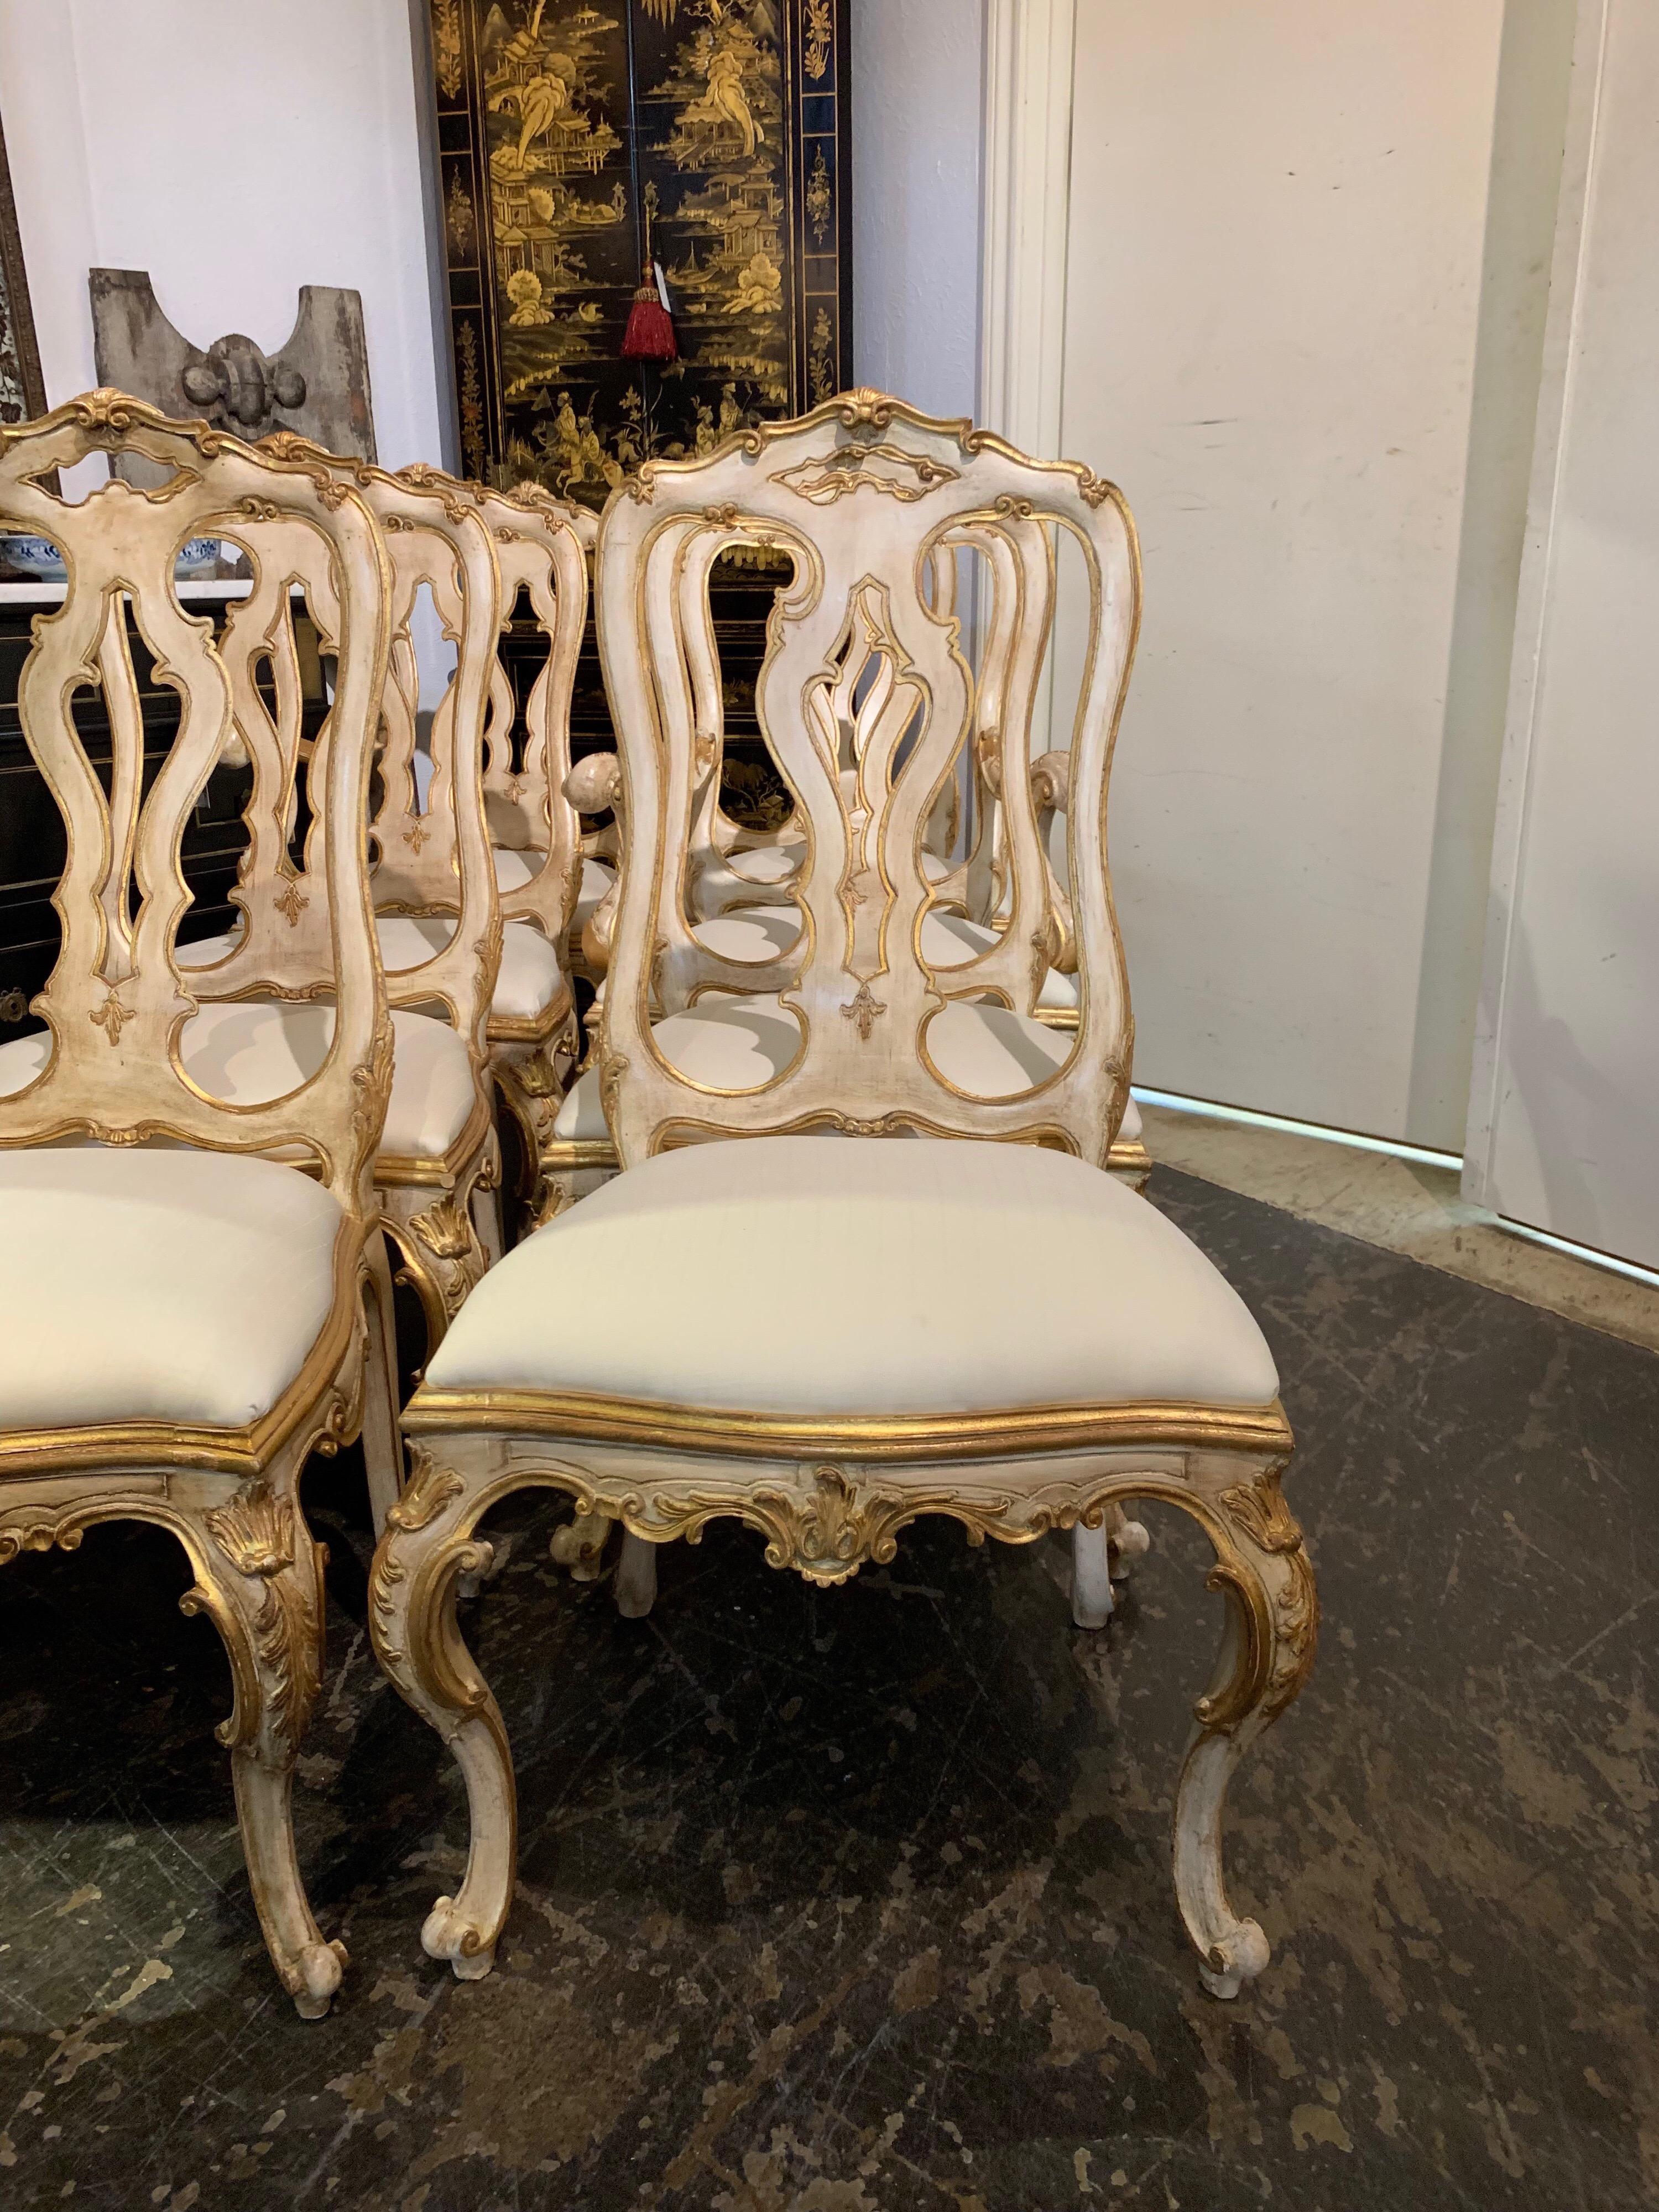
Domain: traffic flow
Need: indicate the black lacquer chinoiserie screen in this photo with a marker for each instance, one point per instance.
(574, 139)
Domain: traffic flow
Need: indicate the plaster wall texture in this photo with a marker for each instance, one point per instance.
(236, 156)
(917, 108)
(1303, 334)
(1563, 1126)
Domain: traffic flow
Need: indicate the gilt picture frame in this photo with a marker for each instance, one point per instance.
(581, 147)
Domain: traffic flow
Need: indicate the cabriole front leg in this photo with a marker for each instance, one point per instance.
(443, 1257)
(1266, 1653)
(427, 1545)
(259, 1579)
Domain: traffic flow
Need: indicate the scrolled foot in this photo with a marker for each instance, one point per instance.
(580, 1546)
(427, 1545)
(1236, 1959)
(1127, 1540)
(448, 1933)
(1266, 1651)
(314, 1975)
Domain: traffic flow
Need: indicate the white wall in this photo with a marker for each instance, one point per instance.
(239, 152)
(1564, 1125)
(916, 130)
(236, 154)
(1278, 221)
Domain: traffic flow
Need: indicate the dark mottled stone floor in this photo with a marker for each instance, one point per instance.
(859, 1899)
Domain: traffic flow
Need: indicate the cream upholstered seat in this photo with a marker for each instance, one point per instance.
(184, 1317)
(440, 1209)
(251, 1051)
(631, 1295)
(948, 940)
(147, 1285)
(514, 868)
(527, 978)
(598, 882)
(766, 863)
(975, 1322)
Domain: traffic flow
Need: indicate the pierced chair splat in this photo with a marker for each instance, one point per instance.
(997, 1331)
(437, 926)
(541, 549)
(732, 939)
(194, 1292)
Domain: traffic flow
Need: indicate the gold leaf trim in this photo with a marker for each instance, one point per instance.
(255, 1531)
(996, 1433)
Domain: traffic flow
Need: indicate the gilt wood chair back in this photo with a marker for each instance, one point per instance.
(541, 548)
(433, 860)
(117, 1001)
(869, 498)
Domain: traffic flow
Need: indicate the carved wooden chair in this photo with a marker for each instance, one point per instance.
(438, 1165)
(991, 1328)
(531, 814)
(739, 922)
(181, 1321)
(547, 886)
(535, 835)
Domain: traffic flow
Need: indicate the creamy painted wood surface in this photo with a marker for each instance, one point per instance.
(1277, 222)
(1564, 1130)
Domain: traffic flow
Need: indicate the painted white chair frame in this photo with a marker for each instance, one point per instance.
(116, 1004)
(542, 546)
(860, 492)
(439, 1209)
(859, 718)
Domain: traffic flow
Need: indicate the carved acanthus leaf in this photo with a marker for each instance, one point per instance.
(430, 1489)
(1259, 1508)
(444, 1229)
(255, 1531)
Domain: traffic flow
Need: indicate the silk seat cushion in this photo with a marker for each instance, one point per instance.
(527, 981)
(143, 1285)
(249, 1051)
(765, 864)
(597, 882)
(948, 940)
(934, 1276)
(744, 1042)
(776, 864)
(514, 870)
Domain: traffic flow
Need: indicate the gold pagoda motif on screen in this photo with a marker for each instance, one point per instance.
(578, 145)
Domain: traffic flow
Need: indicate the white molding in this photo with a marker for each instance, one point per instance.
(1025, 213)
(1531, 599)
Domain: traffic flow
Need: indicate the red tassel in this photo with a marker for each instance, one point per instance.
(650, 332)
